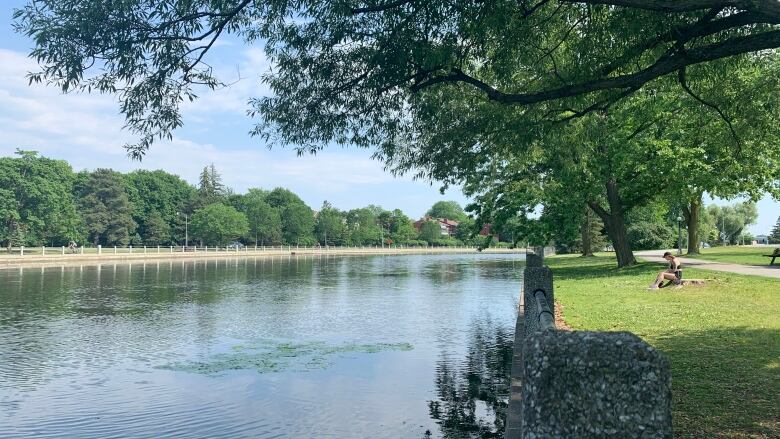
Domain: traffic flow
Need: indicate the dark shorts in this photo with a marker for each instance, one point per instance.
(678, 277)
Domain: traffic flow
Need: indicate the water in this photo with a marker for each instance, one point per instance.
(342, 347)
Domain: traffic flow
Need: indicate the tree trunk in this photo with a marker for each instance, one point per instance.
(587, 248)
(692, 212)
(616, 225)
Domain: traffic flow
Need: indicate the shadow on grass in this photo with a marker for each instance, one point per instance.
(577, 267)
(725, 382)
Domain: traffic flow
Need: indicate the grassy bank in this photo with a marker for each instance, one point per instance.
(737, 255)
(722, 339)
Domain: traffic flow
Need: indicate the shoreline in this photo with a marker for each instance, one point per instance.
(11, 262)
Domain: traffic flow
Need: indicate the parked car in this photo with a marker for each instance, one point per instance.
(235, 245)
(705, 245)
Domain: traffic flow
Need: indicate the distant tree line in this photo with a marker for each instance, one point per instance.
(44, 202)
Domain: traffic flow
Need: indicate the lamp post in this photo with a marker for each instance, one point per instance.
(679, 235)
(186, 230)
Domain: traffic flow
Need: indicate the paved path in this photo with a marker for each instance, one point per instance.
(754, 270)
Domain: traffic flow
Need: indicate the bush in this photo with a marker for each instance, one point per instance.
(501, 245)
(447, 242)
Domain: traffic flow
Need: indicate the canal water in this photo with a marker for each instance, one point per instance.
(328, 347)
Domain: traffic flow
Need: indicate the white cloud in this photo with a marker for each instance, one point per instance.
(86, 130)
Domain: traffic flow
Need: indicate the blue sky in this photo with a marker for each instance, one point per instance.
(86, 130)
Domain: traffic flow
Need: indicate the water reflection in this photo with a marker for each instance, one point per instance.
(472, 395)
(381, 347)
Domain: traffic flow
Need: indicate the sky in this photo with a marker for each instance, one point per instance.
(86, 130)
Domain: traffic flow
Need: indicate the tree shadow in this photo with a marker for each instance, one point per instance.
(472, 395)
(725, 382)
(598, 267)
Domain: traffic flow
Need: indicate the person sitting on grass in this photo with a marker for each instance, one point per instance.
(673, 273)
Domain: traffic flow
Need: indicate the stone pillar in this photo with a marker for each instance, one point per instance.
(594, 384)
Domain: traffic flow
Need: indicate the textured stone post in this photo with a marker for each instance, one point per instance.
(594, 384)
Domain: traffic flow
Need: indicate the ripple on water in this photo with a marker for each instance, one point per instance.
(110, 352)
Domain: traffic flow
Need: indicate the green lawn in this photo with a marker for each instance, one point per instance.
(737, 255)
(722, 339)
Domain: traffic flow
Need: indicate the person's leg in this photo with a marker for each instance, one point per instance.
(660, 279)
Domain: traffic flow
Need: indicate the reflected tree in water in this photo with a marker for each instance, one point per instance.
(472, 396)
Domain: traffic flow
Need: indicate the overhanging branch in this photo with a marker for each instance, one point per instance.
(684, 84)
(662, 67)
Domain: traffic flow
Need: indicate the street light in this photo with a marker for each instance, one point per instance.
(186, 231)
(679, 235)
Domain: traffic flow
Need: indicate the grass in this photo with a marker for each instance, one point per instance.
(722, 339)
(737, 255)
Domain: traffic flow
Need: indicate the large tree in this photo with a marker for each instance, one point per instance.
(330, 226)
(774, 236)
(265, 223)
(401, 227)
(36, 206)
(298, 224)
(218, 224)
(430, 231)
(159, 199)
(731, 221)
(364, 226)
(344, 71)
(448, 210)
(210, 187)
(105, 207)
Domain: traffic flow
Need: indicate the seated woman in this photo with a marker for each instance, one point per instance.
(673, 273)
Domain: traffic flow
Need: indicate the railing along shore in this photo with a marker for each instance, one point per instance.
(59, 255)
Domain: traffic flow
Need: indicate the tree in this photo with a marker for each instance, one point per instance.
(36, 205)
(218, 224)
(774, 237)
(155, 231)
(210, 189)
(265, 223)
(581, 54)
(730, 221)
(401, 227)
(649, 230)
(158, 194)
(591, 236)
(447, 210)
(281, 198)
(330, 225)
(430, 231)
(105, 207)
(298, 224)
(364, 226)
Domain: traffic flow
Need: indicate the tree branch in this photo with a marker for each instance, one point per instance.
(684, 84)
(662, 67)
(595, 207)
(380, 7)
(769, 7)
(669, 5)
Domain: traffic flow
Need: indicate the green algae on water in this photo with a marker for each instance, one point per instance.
(268, 357)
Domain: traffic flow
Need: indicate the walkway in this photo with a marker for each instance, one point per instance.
(753, 270)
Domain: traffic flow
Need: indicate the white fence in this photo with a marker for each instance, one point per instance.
(112, 250)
